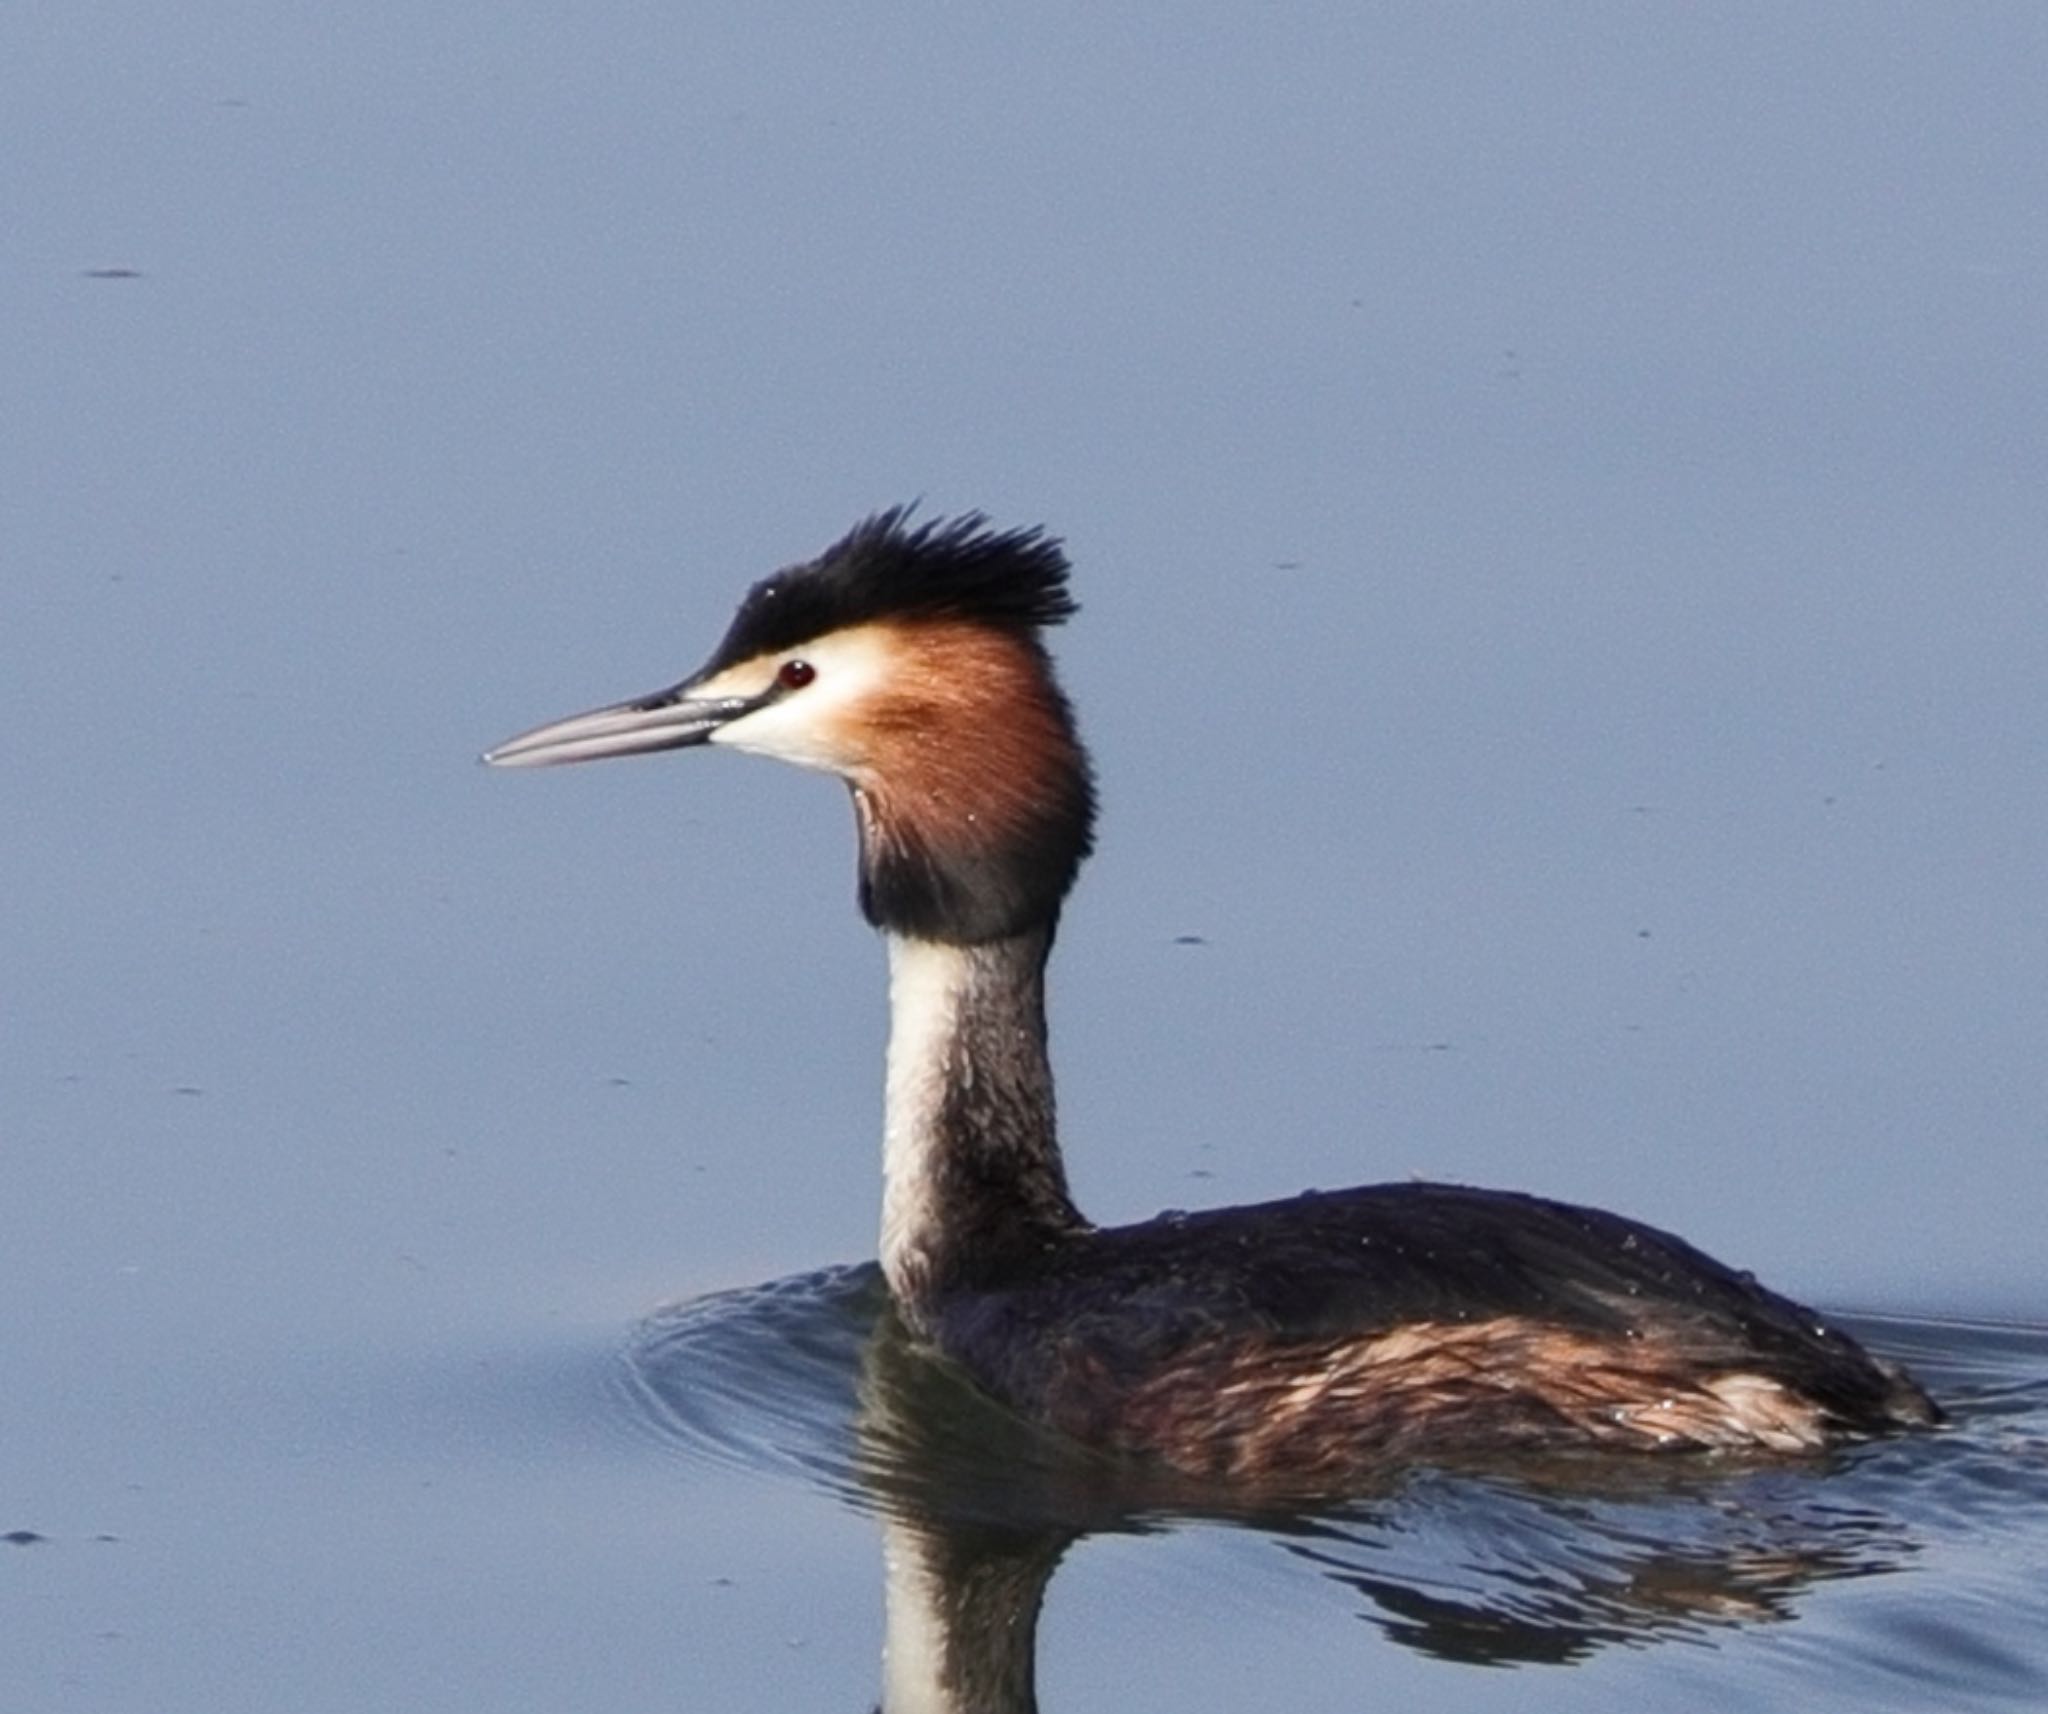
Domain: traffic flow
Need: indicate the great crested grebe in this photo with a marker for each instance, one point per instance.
(1327, 1332)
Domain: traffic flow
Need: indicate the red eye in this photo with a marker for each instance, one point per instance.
(794, 675)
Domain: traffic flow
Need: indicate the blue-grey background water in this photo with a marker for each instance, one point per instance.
(1556, 497)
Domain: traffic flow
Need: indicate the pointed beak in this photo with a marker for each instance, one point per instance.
(667, 720)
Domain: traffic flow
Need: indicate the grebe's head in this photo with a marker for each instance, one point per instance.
(908, 661)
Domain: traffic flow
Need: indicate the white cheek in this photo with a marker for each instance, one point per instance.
(809, 727)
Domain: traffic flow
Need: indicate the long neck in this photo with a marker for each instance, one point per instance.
(972, 1177)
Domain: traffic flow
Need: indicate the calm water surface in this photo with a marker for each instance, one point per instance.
(1556, 498)
(765, 1499)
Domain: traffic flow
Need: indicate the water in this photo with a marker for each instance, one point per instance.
(1905, 1573)
(766, 1498)
(1556, 502)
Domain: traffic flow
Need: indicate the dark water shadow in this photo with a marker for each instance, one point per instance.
(1526, 1562)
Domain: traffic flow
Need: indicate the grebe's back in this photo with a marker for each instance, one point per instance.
(1308, 1336)
(1342, 1329)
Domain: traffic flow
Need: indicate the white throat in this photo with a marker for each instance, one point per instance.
(928, 983)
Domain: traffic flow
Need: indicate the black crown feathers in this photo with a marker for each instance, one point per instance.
(885, 568)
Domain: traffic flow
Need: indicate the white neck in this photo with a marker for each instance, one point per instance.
(970, 1164)
(928, 982)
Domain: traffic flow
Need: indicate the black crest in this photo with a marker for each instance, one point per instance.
(884, 568)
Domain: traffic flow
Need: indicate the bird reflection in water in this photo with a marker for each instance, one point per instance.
(1508, 1561)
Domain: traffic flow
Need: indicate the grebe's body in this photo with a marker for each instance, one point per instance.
(1294, 1339)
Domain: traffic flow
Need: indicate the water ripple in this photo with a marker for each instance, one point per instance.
(1553, 1561)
